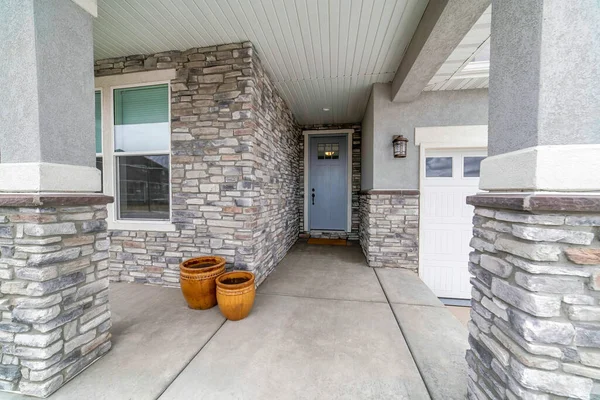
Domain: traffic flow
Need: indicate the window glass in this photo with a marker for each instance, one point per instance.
(142, 119)
(143, 190)
(472, 166)
(98, 100)
(101, 168)
(438, 167)
(328, 151)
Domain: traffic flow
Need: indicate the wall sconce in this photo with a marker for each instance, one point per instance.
(399, 144)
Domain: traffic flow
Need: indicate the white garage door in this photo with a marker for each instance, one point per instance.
(449, 176)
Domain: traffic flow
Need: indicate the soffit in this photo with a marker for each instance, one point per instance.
(319, 53)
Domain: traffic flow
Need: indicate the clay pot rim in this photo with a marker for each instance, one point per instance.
(220, 262)
(235, 274)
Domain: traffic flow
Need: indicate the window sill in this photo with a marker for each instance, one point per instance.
(157, 226)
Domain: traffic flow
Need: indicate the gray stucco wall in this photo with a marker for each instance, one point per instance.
(366, 147)
(443, 108)
(48, 74)
(531, 91)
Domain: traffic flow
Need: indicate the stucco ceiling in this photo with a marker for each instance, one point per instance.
(468, 67)
(319, 53)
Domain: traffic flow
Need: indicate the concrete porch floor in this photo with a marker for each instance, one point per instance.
(324, 326)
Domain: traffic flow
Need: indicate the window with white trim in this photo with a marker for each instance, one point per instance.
(99, 159)
(141, 152)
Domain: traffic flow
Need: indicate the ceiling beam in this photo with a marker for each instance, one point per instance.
(443, 25)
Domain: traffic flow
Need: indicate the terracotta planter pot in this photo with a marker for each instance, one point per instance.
(235, 294)
(197, 277)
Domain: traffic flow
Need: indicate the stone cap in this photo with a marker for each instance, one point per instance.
(537, 202)
(401, 192)
(47, 200)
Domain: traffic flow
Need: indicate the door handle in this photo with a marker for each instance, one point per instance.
(313, 198)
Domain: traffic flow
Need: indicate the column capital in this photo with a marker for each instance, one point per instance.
(48, 177)
(553, 168)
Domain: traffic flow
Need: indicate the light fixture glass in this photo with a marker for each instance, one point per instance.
(399, 144)
(326, 109)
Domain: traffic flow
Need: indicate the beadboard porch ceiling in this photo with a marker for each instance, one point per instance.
(321, 54)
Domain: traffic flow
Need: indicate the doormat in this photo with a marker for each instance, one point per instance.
(331, 242)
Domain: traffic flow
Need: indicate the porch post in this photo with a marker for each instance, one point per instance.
(535, 320)
(53, 243)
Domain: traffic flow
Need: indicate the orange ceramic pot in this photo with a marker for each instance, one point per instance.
(235, 294)
(197, 277)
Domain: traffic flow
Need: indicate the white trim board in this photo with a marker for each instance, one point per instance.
(446, 137)
(558, 168)
(106, 84)
(327, 132)
(48, 177)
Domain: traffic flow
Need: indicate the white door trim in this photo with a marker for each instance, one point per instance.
(307, 135)
(467, 137)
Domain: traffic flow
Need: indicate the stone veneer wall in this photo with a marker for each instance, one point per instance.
(535, 319)
(389, 228)
(355, 221)
(54, 294)
(234, 192)
(278, 156)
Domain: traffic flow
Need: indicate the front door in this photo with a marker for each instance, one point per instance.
(328, 183)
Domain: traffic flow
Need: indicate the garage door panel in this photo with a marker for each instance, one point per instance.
(446, 223)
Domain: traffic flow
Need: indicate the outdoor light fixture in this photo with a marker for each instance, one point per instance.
(399, 144)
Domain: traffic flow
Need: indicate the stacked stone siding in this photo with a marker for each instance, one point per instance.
(389, 228)
(53, 296)
(277, 156)
(535, 319)
(233, 153)
(355, 218)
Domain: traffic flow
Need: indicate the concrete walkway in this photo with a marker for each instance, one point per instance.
(324, 326)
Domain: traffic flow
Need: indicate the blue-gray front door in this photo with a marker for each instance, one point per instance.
(328, 183)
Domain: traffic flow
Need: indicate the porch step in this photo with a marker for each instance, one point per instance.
(438, 343)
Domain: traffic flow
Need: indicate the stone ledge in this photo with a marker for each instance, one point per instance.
(401, 192)
(39, 200)
(537, 202)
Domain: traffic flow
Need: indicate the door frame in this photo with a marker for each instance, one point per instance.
(464, 137)
(328, 132)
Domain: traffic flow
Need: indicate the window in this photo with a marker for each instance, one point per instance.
(472, 166)
(438, 167)
(141, 149)
(98, 103)
(328, 151)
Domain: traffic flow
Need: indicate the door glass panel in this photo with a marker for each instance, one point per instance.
(472, 167)
(321, 151)
(438, 167)
(328, 151)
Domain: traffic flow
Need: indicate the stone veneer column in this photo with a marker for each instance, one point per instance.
(535, 317)
(389, 228)
(53, 291)
(53, 247)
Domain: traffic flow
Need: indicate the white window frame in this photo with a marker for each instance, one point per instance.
(107, 85)
(99, 89)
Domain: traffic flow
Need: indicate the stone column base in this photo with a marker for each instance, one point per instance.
(389, 228)
(535, 317)
(54, 289)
